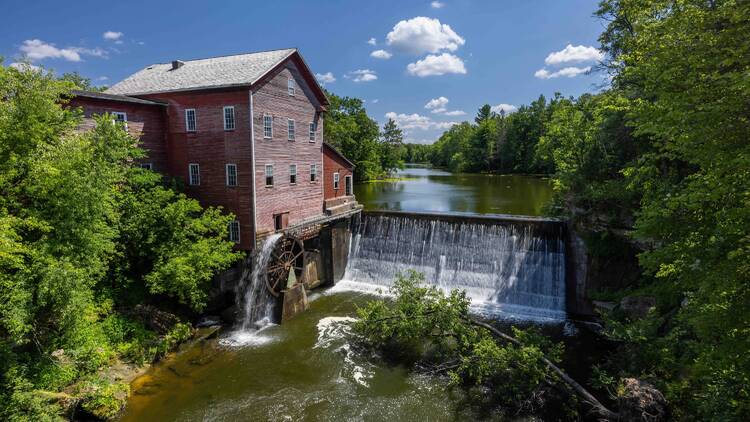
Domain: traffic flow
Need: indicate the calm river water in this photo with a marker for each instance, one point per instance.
(428, 189)
(305, 369)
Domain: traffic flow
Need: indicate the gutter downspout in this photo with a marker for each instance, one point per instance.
(252, 159)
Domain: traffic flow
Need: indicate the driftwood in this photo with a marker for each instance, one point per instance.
(598, 408)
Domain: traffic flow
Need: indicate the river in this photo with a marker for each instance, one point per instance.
(305, 369)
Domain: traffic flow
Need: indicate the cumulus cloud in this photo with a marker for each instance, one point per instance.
(434, 65)
(569, 72)
(325, 78)
(112, 35)
(381, 54)
(571, 54)
(454, 113)
(372, 41)
(436, 104)
(25, 66)
(362, 75)
(437, 5)
(423, 35)
(38, 50)
(505, 108)
(417, 122)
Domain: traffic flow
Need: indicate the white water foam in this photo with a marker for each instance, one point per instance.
(333, 333)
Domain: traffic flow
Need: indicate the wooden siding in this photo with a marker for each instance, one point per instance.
(333, 163)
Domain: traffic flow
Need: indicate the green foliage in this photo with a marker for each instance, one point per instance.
(82, 232)
(422, 326)
(103, 399)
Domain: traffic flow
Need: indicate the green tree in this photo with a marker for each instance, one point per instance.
(391, 146)
(485, 113)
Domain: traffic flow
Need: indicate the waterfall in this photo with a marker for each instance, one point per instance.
(508, 270)
(257, 303)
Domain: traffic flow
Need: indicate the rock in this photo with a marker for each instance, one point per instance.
(637, 307)
(602, 306)
(640, 401)
(156, 319)
(230, 315)
(208, 321)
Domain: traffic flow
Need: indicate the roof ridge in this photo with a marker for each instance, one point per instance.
(228, 55)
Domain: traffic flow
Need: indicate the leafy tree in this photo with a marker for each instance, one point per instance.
(81, 82)
(391, 146)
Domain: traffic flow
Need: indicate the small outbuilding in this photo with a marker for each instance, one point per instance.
(338, 180)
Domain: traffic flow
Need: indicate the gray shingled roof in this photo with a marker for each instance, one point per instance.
(241, 69)
(112, 97)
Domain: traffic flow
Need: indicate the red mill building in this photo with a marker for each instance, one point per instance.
(244, 132)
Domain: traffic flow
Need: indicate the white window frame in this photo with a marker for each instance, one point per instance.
(147, 166)
(124, 118)
(234, 226)
(267, 128)
(313, 129)
(291, 130)
(313, 173)
(335, 181)
(292, 172)
(194, 179)
(230, 174)
(291, 87)
(187, 120)
(231, 117)
(269, 166)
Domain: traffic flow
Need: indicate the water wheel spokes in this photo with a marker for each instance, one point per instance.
(288, 255)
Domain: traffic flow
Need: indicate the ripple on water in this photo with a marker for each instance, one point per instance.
(248, 338)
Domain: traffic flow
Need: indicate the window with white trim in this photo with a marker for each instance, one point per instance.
(313, 172)
(195, 174)
(290, 129)
(335, 181)
(312, 131)
(293, 174)
(190, 122)
(120, 117)
(267, 126)
(234, 231)
(231, 174)
(147, 166)
(229, 118)
(290, 86)
(269, 175)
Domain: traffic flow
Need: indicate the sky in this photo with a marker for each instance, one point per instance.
(426, 64)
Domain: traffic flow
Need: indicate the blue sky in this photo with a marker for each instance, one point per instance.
(459, 53)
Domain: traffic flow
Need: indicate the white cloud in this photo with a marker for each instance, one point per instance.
(436, 104)
(569, 72)
(423, 35)
(325, 78)
(112, 35)
(25, 66)
(506, 108)
(375, 101)
(454, 113)
(437, 5)
(38, 50)
(417, 122)
(571, 54)
(372, 41)
(362, 75)
(102, 78)
(436, 65)
(381, 54)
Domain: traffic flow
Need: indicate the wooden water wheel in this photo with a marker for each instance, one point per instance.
(288, 255)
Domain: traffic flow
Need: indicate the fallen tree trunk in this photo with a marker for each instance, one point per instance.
(598, 408)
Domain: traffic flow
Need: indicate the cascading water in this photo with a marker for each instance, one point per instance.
(257, 303)
(507, 270)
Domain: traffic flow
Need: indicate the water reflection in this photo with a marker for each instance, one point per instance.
(428, 189)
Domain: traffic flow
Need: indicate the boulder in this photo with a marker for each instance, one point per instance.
(230, 314)
(637, 307)
(640, 401)
(154, 318)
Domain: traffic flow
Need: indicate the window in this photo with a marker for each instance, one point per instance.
(147, 166)
(335, 180)
(229, 118)
(269, 175)
(293, 174)
(312, 131)
(121, 118)
(348, 185)
(278, 222)
(234, 231)
(190, 120)
(195, 174)
(267, 126)
(290, 128)
(290, 86)
(313, 172)
(231, 174)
